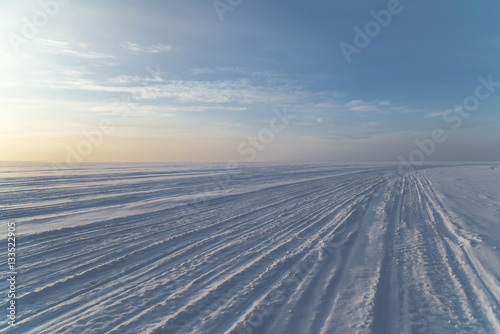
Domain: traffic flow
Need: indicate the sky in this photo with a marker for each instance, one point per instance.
(249, 80)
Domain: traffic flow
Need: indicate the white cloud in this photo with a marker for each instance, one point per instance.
(125, 79)
(156, 48)
(141, 109)
(436, 114)
(204, 70)
(236, 92)
(268, 77)
(379, 107)
(363, 106)
(65, 48)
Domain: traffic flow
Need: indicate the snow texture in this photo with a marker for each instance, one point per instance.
(261, 248)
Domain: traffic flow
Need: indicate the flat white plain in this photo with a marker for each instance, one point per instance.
(275, 248)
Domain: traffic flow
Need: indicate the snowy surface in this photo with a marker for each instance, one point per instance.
(263, 248)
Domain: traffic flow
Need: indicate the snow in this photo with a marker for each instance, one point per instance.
(262, 248)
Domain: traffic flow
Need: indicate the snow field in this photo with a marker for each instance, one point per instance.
(311, 248)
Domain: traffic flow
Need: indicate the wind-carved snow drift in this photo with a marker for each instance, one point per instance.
(311, 248)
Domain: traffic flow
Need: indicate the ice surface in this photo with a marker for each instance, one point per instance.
(262, 248)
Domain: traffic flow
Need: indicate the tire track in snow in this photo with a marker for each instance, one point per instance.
(295, 313)
(154, 272)
(386, 303)
(282, 246)
(153, 247)
(434, 291)
(114, 231)
(478, 293)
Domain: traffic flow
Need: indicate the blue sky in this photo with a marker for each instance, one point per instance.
(177, 83)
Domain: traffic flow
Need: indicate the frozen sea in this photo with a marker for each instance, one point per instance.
(253, 248)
